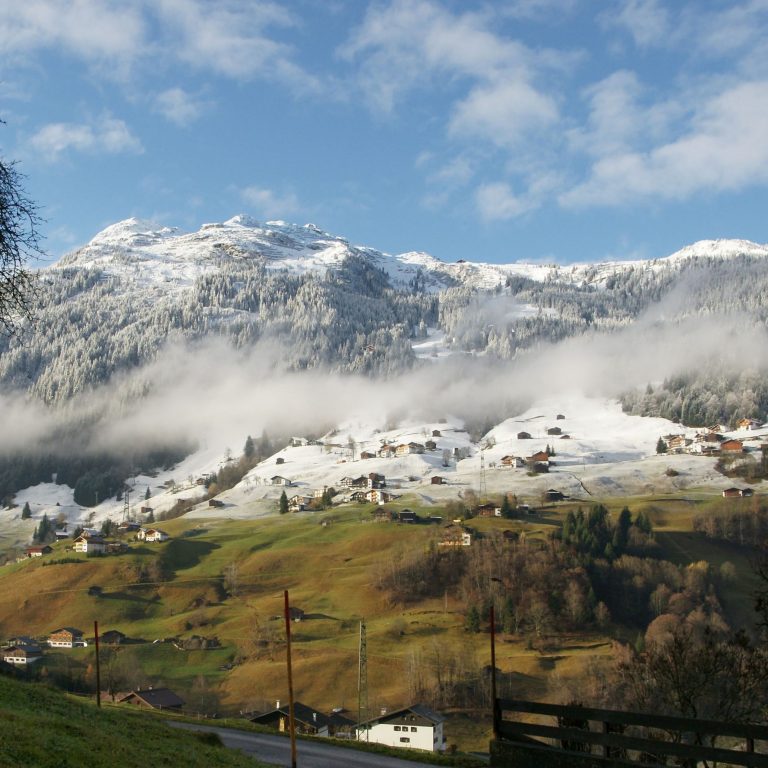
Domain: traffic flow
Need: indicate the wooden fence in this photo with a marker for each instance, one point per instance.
(592, 736)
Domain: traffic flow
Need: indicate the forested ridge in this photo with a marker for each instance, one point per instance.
(92, 322)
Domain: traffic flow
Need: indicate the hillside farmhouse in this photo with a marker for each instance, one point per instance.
(309, 721)
(407, 448)
(153, 698)
(415, 727)
(39, 551)
(89, 544)
(22, 655)
(152, 534)
(66, 637)
(455, 536)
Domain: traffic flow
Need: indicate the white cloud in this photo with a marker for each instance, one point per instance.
(408, 42)
(497, 201)
(229, 38)
(108, 135)
(269, 204)
(503, 112)
(178, 106)
(618, 119)
(725, 149)
(646, 20)
(92, 30)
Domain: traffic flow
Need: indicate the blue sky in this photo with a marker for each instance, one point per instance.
(531, 130)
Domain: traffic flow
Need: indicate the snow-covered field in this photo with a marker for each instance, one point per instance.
(607, 453)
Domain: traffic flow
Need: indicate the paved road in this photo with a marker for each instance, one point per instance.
(310, 754)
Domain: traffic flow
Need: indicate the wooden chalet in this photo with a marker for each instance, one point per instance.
(66, 637)
(512, 461)
(89, 544)
(524, 436)
(554, 431)
(732, 446)
(39, 550)
(22, 655)
(408, 448)
(438, 480)
(487, 510)
(153, 698)
(455, 536)
(309, 721)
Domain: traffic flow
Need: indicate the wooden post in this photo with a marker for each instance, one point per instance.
(291, 719)
(98, 665)
(494, 699)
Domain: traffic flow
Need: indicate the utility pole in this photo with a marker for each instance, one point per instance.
(126, 503)
(98, 664)
(483, 483)
(362, 682)
(291, 717)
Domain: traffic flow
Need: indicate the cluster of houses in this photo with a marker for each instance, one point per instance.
(92, 541)
(711, 441)
(414, 727)
(23, 650)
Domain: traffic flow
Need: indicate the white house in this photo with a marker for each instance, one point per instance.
(22, 654)
(89, 544)
(280, 480)
(66, 637)
(152, 534)
(415, 727)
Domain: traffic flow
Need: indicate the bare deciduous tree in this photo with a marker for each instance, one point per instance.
(19, 242)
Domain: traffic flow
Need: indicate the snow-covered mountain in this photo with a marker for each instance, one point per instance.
(147, 311)
(150, 254)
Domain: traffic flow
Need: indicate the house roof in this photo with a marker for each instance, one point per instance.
(158, 698)
(421, 710)
(302, 713)
(71, 630)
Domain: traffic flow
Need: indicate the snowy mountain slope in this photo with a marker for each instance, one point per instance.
(147, 253)
(608, 453)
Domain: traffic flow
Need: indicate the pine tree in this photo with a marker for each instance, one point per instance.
(283, 503)
(472, 620)
(249, 449)
(147, 494)
(661, 446)
(26, 513)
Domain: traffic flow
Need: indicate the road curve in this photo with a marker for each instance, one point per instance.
(276, 750)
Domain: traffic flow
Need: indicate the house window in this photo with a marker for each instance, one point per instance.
(397, 727)
(413, 729)
(405, 740)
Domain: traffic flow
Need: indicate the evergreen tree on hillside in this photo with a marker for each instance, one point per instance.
(26, 513)
(661, 446)
(44, 531)
(283, 503)
(249, 449)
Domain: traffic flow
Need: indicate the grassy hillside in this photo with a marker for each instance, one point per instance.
(44, 728)
(225, 578)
